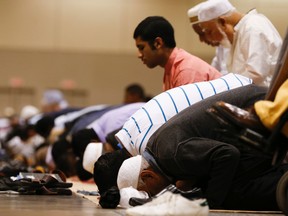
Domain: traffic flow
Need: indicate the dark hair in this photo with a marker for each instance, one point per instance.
(106, 169)
(44, 126)
(111, 139)
(82, 174)
(153, 27)
(136, 89)
(134, 93)
(63, 157)
(81, 139)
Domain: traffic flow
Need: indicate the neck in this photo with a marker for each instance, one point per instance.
(232, 20)
(235, 18)
(166, 54)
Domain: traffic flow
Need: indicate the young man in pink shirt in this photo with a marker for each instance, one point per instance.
(154, 37)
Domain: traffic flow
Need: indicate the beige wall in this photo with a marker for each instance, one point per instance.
(44, 42)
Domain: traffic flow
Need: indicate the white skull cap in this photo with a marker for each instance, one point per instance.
(209, 10)
(28, 111)
(193, 13)
(91, 154)
(129, 172)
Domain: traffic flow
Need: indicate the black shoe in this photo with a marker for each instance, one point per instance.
(110, 198)
(282, 193)
(195, 193)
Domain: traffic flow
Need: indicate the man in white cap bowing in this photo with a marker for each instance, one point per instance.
(136, 131)
(230, 174)
(253, 40)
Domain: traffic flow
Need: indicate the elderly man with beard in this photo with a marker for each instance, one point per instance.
(221, 53)
(253, 40)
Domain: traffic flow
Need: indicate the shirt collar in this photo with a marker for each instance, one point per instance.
(239, 24)
(171, 59)
(153, 163)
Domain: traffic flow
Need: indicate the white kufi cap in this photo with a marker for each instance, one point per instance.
(28, 112)
(129, 172)
(91, 154)
(209, 10)
(193, 13)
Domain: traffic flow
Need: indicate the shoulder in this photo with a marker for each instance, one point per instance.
(255, 22)
(187, 58)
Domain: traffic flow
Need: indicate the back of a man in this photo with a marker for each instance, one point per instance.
(142, 124)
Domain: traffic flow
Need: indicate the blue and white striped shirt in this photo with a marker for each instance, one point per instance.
(142, 124)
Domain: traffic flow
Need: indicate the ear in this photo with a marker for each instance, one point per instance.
(158, 42)
(222, 22)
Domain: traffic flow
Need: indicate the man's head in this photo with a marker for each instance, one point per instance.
(64, 157)
(202, 37)
(91, 154)
(53, 100)
(134, 93)
(137, 172)
(215, 19)
(81, 139)
(28, 112)
(153, 36)
(106, 169)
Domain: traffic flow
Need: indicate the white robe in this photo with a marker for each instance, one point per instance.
(255, 49)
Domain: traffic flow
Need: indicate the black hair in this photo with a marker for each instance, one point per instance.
(134, 93)
(63, 157)
(44, 126)
(106, 169)
(111, 139)
(20, 130)
(155, 26)
(82, 174)
(81, 139)
(136, 89)
(68, 162)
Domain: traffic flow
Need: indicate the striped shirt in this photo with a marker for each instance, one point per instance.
(136, 132)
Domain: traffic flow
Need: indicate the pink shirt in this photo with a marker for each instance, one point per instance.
(183, 68)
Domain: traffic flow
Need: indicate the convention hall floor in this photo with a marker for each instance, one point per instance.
(77, 204)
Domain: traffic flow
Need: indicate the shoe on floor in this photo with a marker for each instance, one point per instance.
(171, 204)
(195, 193)
(282, 193)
